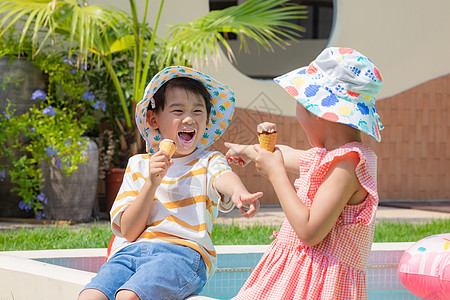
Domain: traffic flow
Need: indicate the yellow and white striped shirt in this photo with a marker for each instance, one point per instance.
(185, 206)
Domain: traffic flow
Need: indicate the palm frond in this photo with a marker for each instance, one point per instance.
(37, 11)
(266, 22)
(84, 26)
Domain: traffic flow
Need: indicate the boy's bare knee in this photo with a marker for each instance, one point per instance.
(126, 295)
(92, 294)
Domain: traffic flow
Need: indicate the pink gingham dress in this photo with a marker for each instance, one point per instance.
(334, 268)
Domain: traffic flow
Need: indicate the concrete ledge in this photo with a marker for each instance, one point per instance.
(49, 281)
(28, 279)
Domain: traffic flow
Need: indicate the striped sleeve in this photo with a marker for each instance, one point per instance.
(217, 166)
(127, 193)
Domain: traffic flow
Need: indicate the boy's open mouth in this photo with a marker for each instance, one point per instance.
(186, 136)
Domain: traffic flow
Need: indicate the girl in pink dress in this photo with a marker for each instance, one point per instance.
(323, 247)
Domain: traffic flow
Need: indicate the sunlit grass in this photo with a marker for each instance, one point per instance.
(97, 235)
(56, 237)
(409, 232)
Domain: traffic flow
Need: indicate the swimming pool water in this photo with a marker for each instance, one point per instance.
(235, 263)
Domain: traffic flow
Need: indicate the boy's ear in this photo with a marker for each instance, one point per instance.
(151, 119)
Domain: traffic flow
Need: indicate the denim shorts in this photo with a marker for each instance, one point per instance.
(152, 270)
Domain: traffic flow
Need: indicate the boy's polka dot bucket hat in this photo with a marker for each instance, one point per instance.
(339, 86)
(222, 106)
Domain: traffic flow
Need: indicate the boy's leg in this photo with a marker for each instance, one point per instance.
(113, 274)
(92, 294)
(126, 295)
(168, 271)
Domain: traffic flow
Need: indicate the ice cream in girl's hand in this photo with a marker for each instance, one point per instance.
(168, 146)
(267, 135)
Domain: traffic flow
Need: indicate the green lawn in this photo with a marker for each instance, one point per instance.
(98, 235)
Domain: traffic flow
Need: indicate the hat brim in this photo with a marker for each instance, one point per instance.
(312, 92)
(222, 106)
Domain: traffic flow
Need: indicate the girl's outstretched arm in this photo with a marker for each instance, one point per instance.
(243, 154)
(339, 187)
(291, 158)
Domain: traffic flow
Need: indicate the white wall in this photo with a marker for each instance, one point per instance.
(174, 11)
(407, 39)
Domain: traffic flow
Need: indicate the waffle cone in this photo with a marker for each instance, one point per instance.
(268, 141)
(168, 146)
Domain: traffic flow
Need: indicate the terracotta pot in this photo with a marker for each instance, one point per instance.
(114, 178)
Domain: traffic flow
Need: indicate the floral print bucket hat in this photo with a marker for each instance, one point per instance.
(222, 106)
(339, 86)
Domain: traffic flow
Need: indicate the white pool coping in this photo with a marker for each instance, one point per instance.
(224, 249)
(25, 278)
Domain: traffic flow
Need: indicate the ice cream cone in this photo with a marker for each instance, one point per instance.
(268, 140)
(168, 146)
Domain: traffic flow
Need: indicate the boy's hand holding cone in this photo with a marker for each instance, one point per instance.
(267, 135)
(167, 146)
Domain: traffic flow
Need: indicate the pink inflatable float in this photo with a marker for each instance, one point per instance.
(424, 269)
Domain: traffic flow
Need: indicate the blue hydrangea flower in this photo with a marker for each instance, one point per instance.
(67, 162)
(51, 151)
(330, 100)
(41, 197)
(311, 90)
(49, 111)
(69, 61)
(59, 163)
(2, 175)
(85, 67)
(364, 109)
(22, 205)
(100, 105)
(38, 94)
(25, 206)
(89, 96)
(6, 115)
(39, 215)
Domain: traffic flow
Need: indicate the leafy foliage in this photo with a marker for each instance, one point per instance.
(51, 130)
(29, 139)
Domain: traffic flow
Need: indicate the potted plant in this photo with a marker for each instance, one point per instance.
(40, 148)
